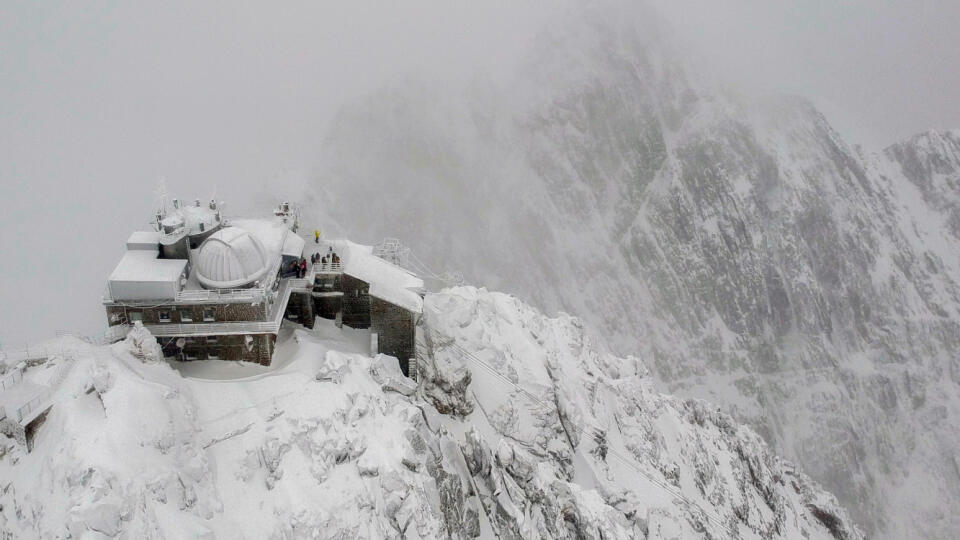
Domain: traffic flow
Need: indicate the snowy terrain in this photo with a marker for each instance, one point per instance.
(741, 247)
(523, 426)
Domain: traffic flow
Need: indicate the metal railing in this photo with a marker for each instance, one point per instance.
(34, 405)
(221, 295)
(11, 379)
(30, 352)
(329, 267)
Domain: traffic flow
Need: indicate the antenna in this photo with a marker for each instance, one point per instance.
(160, 194)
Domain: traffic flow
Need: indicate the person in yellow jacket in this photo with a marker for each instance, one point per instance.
(316, 235)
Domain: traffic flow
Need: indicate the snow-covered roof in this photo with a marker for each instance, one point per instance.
(147, 240)
(292, 245)
(272, 233)
(387, 281)
(140, 275)
(143, 265)
(196, 219)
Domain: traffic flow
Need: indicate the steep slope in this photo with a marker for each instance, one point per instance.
(523, 428)
(744, 250)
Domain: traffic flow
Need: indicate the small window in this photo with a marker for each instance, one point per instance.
(186, 315)
(163, 316)
(190, 355)
(135, 316)
(208, 314)
(213, 355)
(211, 339)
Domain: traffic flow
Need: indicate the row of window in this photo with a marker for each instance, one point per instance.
(185, 315)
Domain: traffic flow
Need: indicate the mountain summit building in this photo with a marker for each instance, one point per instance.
(212, 288)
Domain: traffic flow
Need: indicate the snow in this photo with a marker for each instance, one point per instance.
(272, 233)
(140, 275)
(327, 443)
(146, 240)
(292, 245)
(387, 281)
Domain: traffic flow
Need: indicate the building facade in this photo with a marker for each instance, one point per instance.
(208, 288)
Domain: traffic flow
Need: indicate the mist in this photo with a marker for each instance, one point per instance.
(100, 103)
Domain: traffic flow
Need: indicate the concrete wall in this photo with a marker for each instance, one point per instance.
(223, 347)
(395, 328)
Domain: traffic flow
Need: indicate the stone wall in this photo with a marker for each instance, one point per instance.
(233, 347)
(241, 311)
(395, 328)
(356, 302)
(300, 309)
(328, 306)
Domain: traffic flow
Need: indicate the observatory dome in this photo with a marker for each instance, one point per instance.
(231, 258)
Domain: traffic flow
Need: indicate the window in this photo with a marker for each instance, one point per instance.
(163, 315)
(211, 339)
(190, 355)
(135, 316)
(208, 314)
(186, 315)
(213, 355)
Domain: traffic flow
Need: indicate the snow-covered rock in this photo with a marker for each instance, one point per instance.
(551, 437)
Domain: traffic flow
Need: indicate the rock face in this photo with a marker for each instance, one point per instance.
(550, 436)
(567, 441)
(746, 252)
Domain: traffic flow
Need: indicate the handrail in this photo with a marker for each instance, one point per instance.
(328, 267)
(24, 410)
(221, 294)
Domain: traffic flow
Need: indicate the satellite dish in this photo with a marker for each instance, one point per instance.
(181, 342)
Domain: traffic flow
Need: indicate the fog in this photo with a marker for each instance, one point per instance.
(100, 103)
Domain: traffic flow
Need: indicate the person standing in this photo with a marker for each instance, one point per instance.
(316, 236)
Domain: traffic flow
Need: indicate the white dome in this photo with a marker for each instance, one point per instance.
(231, 258)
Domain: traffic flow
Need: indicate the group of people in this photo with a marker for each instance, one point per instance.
(330, 258)
(299, 268)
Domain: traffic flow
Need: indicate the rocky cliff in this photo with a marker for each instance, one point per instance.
(740, 247)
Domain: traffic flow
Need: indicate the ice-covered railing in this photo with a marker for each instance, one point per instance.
(328, 267)
(200, 295)
(173, 236)
(58, 347)
(10, 379)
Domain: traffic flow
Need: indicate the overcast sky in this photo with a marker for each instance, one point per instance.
(881, 70)
(99, 101)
